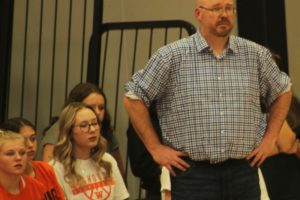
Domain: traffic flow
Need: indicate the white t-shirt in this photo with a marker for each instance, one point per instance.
(165, 179)
(263, 189)
(95, 187)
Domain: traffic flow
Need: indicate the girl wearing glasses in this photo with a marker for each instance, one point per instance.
(82, 167)
(13, 162)
(41, 171)
(92, 95)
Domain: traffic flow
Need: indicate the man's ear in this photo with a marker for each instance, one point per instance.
(197, 13)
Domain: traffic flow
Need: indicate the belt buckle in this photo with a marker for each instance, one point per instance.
(213, 162)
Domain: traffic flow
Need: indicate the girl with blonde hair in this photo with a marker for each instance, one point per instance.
(83, 168)
(93, 96)
(13, 162)
(41, 171)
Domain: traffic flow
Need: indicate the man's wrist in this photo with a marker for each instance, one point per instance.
(271, 135)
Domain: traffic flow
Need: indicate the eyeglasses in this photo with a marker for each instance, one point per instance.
(86, 127)
(219, 10)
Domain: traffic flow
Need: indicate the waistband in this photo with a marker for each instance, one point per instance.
(209, 163)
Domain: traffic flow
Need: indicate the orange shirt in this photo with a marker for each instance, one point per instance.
(45, 174)
(29, 189)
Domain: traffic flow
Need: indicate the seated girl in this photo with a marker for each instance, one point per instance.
(92, 95)
(41, 171)
(81, 165)
(13, 162)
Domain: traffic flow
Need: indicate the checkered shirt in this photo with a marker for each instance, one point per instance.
(210, 106)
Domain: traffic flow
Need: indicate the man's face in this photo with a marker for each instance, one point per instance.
(215, 16)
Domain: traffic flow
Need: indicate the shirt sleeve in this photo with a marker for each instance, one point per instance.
(263, 189)
(273, 82)
(151, 82)
(60, 194)
(120, 188)
(165, 179)
(112, 144)
(51, 135)
(59, 173)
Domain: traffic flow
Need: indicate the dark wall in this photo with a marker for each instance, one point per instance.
(263, 21)
(6, 15)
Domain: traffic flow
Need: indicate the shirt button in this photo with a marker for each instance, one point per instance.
(222, 150)
(221, 113)
(221, 94)
(219, 77)
(222, 131)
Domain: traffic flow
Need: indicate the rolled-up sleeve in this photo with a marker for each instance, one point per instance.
(273, 82)
(149, 83)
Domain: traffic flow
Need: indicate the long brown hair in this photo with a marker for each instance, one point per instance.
(63, 151)
(82, 91)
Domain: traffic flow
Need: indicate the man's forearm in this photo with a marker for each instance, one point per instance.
(278, 112)
(141, 121)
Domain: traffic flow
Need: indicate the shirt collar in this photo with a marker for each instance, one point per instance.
(232, 45)
(201, 43)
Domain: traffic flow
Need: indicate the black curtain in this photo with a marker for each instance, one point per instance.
(93, 70)
(263, 21)
(6, 20)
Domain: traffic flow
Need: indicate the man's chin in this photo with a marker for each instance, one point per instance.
(223, 33)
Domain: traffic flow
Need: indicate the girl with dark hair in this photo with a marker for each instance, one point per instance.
(81, 165)
(40, 171)
(92, 95)
(282, 171)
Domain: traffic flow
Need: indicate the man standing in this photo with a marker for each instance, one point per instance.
(212, 92)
